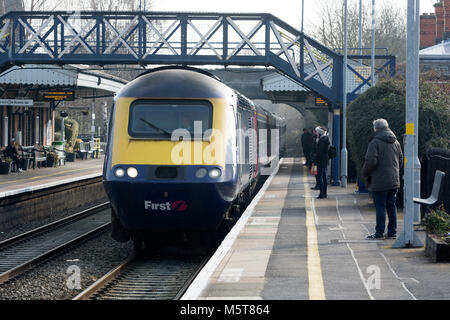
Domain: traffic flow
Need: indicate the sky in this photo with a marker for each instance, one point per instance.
(287, 10)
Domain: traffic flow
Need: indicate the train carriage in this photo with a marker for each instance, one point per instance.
(182, 153)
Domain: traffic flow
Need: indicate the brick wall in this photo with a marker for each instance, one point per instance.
(435, 27)
(427, 30)
(439, 12)
(446, 5)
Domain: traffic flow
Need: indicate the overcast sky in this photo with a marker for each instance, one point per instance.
(287, 10)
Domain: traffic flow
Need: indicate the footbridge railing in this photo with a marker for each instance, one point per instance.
(100, 38)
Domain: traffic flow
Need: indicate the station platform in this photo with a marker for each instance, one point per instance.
(290, 245)
(41, 178)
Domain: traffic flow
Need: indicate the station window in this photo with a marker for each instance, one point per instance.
(158, 119)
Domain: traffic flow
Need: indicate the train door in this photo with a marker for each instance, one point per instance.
(239, 146)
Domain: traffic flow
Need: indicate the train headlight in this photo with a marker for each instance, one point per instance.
(119, 172)
(132, 172)
(201, 173)
(214, 173)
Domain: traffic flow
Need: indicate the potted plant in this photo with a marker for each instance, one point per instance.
(437, 224)
(70, 155)
(5, 167)
(52, 159)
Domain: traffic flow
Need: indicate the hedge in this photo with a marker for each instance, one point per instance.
(71, 128)
(387, 100)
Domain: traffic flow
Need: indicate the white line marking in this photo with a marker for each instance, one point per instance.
(316, 217)
(48, 185)
(361, 275)
(395, 274)
(201, 281)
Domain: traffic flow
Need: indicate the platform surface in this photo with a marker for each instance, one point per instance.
(41, 178)
(291, 245)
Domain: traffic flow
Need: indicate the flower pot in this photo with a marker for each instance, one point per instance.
(25, 163)
(50, 162)
(436, 248)
(5, 167)
(70, 157)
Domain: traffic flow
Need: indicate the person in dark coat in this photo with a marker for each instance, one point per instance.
(315, 139)
(382, 164)
(307, 144)
(12, 152)
(321, 160)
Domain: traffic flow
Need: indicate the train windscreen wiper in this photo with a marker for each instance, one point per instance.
(155, 127)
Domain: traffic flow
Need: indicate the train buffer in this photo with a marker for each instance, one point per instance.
(291, 245)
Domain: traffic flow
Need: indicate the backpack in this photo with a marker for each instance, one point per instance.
(332, 153)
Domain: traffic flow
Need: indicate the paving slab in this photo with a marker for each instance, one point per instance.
(293, 246)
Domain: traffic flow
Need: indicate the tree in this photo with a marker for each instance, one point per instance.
(390, 26)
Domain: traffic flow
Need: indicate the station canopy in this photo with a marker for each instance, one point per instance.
(438, 51)
(32, 81)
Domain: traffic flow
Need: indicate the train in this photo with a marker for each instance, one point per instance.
(185, 154)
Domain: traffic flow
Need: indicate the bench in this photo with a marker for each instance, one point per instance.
(39, 156)
(435, 193)
(61, 156)
(83, 151)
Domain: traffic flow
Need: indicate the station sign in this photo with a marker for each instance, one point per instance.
(64, 95)
(16, 102)
(321, 102)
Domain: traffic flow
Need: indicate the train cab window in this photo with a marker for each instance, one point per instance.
(158, 119)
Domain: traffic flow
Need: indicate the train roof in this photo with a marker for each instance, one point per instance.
(176, 82)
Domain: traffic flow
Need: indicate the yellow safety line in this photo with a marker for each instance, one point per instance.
(315, 280)
(47, 175)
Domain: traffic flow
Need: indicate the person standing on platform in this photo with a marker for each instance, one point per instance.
(307, 144)
(383, 161)
(315, 140)
(321, 161)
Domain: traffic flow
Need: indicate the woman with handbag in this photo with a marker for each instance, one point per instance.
(322, 161)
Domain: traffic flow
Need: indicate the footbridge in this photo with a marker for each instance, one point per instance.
(146, 38)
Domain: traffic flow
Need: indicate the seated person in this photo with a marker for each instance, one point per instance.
(13, 153)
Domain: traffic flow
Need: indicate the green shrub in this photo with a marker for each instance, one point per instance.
(71, 128)
(387, 100)
(438, 222)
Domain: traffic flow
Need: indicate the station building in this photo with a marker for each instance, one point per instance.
(30, 97)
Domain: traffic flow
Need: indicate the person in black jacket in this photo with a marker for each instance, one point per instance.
(321, 160)
(315, 139)
(307, 145)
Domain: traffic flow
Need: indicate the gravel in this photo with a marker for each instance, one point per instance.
(56, 278)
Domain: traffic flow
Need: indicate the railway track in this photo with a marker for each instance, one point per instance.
(162, 277)
(26, 250)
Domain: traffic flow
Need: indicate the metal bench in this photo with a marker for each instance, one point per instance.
(39, 156)
(83, 152)
(61, 156)
(435, 192)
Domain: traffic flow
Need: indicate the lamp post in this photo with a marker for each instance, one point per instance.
(407, 237)
(344, 154)
(63, 115)
(372, 46)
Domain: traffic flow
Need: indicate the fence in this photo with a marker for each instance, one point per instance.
(436, 159)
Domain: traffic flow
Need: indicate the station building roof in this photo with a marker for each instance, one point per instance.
(438, 51)
(56, 76)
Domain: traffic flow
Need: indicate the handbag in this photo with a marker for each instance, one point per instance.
(314, 169)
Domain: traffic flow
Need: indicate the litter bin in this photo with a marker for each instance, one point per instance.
(24, 163)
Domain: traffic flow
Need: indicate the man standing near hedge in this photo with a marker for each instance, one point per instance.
(383, 161)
